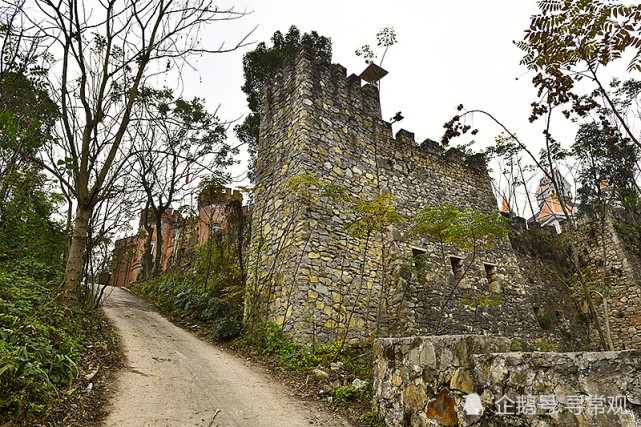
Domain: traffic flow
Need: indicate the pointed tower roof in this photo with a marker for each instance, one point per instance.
(505, 205)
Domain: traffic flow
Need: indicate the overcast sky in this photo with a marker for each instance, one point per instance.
(449, 52)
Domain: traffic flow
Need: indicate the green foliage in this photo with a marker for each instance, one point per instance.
(261, 64)
(630, 235)
(371, 419)
(183, 296)
(546, 346)
(572, 39)
(597, 288)
(469, 229)
(348, 393)
(606, 163)
(566, 33)
(373, 216)
(26, 224)
(544, 243)
(415, 266)
(269, 340)
(40, 342)
(515, 345)
(546, 320)
(227, 329)
(479, 300)
(26, 113)
(385, 38)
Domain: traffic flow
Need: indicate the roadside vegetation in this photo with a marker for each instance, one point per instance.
(205, 292)
(46, 348)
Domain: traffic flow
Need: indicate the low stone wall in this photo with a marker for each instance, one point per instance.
(474, 380)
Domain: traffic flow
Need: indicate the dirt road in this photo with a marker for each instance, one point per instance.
(174, 379)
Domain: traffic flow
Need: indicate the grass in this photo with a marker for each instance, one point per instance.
(41, 343)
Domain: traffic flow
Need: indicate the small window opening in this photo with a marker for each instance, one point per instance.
(492, 279)
(457, 267)
(490, 271)
(419, 259)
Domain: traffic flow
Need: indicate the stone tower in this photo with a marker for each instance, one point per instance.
(308, 273)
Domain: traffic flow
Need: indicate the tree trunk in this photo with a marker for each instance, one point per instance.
(73, 270)
(157, 269)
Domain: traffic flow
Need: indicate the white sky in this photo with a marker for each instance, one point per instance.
(449, 52)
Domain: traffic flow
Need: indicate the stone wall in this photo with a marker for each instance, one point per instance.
(309, 274)
(547, 269)
(475, 380)
(313, 276)
(623, 275)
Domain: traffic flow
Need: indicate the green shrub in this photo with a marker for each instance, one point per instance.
(546, 320)
(214, 309)
(349, 393)
(227, 329)
(39, 344)
(371, 419)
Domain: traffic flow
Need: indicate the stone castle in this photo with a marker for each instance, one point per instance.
(318, 281)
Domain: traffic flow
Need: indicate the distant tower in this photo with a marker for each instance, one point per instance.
(550, 209)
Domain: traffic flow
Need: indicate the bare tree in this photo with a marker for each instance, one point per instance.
(108, 52)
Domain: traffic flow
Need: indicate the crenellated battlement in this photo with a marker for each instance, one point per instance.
(321, 89)
(310, 78)
(433, 151)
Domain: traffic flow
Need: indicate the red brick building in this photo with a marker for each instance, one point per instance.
(178, 234)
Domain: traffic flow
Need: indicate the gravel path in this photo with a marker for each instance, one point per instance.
(172, 378)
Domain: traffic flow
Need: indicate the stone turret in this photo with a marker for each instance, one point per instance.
(308, 272)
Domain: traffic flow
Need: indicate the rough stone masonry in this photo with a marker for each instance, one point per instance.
(309, 275)
(475, 380)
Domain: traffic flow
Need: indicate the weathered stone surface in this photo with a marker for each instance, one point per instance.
(319, 374)
(442, 410)
(624, 272)
(462, 380)
(414, 398)
(606, 385)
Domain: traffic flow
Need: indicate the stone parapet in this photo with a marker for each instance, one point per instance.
(474, 380)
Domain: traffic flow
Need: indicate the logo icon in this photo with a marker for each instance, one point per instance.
(473, 405)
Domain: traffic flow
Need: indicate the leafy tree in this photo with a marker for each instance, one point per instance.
(512, 166)
(177, 140)
(260, 65)
(370, 217)
(470, 230)
(27, 225)
(27, 115)
(570, 40)
(385, 38)
(606, 166)
(27, 112)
